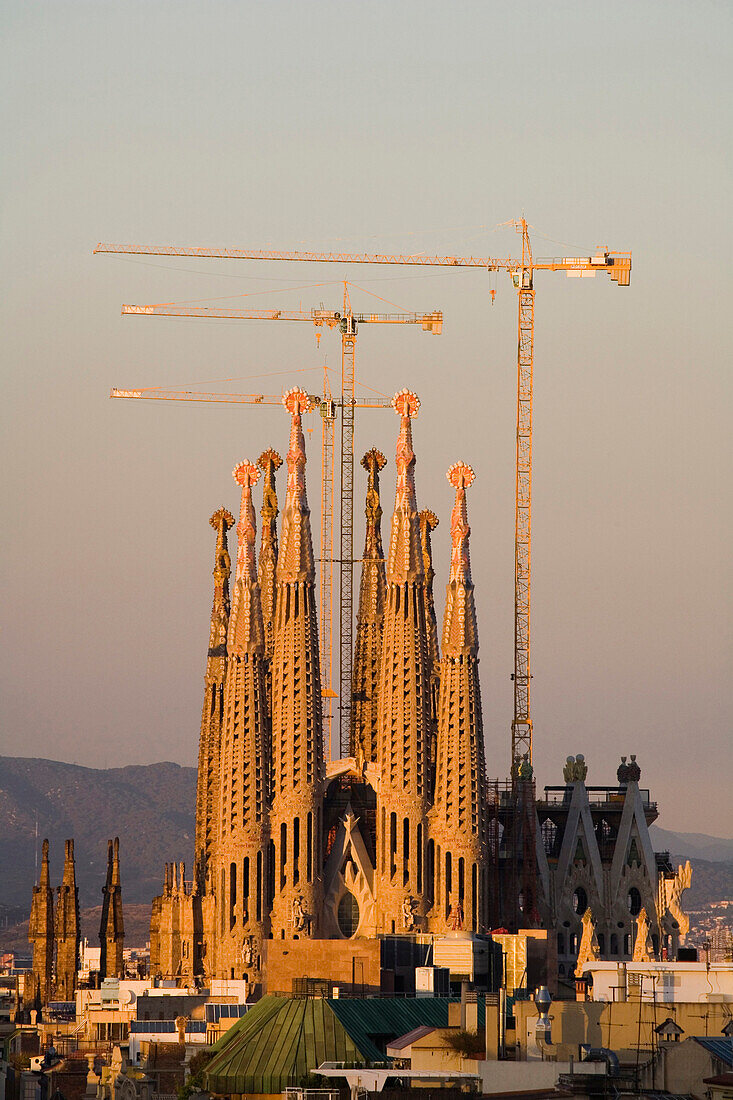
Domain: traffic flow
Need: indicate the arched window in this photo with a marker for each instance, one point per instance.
(232, 893)
(614, 943)
(633, 901)
(245, 883)
(430, 873)
(283, 853)
(580, 901)
(560, 944)
(418, 857)
(392, 845)
(474, 898)
(296, 850)
(448, 881)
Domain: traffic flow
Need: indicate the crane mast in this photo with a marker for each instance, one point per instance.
(347, 321)
(522, 721)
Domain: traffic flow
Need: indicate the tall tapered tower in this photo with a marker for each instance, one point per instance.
(369, 620)
(213, 710)
(112, 927)
(68, 931)
(297, 732)
(245, 762)
(269, 462)
(403, 721)
(41, 936)
(459, 816)
(428, 522)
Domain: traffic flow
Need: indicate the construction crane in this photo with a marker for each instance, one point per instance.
(347, 321)
(617, 265)
(327, 407)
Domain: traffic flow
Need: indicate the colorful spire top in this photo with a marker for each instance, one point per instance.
(245, 623)
(373, 461)
(221, 521)
(269, 462)
(247, 475)
(460, 633)
(405, 553)
(297, 402)
(295, 561)
(460, 476)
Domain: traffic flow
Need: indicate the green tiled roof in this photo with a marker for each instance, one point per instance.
(278, 1043)
(372, 1022)
(282, 1039)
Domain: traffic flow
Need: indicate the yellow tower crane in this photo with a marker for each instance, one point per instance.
(347, 321)
(617, 265)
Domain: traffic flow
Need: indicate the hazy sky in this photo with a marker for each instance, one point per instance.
(385, 126)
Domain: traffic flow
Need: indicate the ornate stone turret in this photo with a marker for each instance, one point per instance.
(41, 936)
(68, 931)
(458, 820)
(269, 462)
(369, 619)
(404, 705)
(245, 761)
(297, 732)
(213, 710)
(112, 928)
(428, 522)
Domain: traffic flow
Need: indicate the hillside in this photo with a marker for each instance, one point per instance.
(137, 928)
(713, 849)
(150, 807)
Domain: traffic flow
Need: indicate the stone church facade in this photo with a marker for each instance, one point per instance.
(405, 836)
(390, 840)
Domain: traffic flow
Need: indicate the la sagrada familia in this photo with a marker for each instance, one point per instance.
(391, 839)
(403, 837)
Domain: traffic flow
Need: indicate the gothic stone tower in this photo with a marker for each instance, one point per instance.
(403, 723)
(269, 462)
(241, 857)
(369, 620)
(428, 522)
(459, 817)
(67, 929)
(41, 936)
(207, 788)
(112, 928)
(297, 734)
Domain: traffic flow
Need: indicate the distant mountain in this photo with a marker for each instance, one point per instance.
(137, 928)
(683, 846)
(151, 808)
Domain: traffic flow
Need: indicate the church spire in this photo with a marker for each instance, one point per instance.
(112, 928)
(459, 817)
(269, 462)
(404, 700)
(67, 929)
(367, 651)
(297, 732)
(405, 561)
(211, 717)
(428, 522)
(41, 936)
(245, 755)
